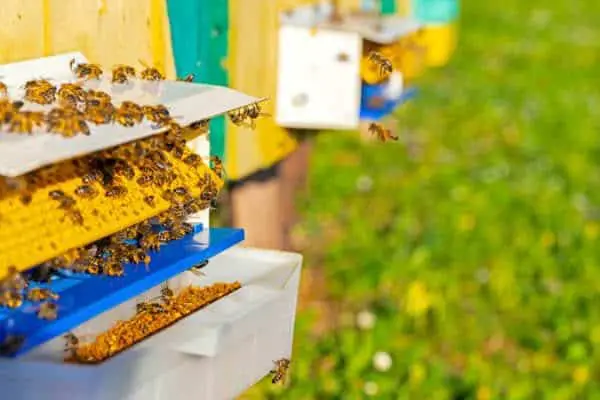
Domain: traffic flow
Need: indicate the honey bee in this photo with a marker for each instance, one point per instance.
(14, 280)
(145, 180)
(3, 90)
(48, 311)
(91, 265)
(247, 116)
(197, 269)
(72, 343)
(26, 121)
(114, 268)
(280, 371)
(75, 216)
(65, 201)
(218, 168)
(164, 236)
(383, 63)
(41, 294)
(187, 78)
(122, 73)
(159, 115)
(8, 109)
(70, 94)
(67, 122)
(382, 133)
(128, 114)
(11, 298)
(86, 192)
(150, 308)
(193, 160)
(150, 242)
(116, 192)
(150, 73)
(11, 344)
(166, 294)
(40, 91)
(150, 200)
(97, 98)
(101, 114)
(85, 70)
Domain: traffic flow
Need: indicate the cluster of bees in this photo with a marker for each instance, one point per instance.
(150, 317)
(15, 288)
(385, 68)
(77, 107)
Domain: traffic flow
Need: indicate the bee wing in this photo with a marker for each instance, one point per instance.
(197, 272)
(143, 63)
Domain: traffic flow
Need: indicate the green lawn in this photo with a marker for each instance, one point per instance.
(474, 240)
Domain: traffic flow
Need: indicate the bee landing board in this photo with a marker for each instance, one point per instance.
(319, 71)
(197, 358)
(187, 103)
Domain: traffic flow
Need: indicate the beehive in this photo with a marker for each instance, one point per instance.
(34, 227)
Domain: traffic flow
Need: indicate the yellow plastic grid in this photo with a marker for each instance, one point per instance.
(39, 231)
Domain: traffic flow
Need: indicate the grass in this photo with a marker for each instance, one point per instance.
(473, 242)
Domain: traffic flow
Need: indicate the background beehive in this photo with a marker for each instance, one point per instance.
(34, 233)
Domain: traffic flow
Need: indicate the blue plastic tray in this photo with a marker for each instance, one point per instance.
(83, 297)
(388, 105)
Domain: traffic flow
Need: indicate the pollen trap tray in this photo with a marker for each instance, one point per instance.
(83, 270)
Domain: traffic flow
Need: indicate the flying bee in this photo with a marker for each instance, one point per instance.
(187, 78)
(70, 94)
(128, 114)
(383, 63)
(26, 121)
(280, 371)
(382, 133)
(197, 269)
(218, 168)
(150, 308)
(86, 70)
(122, 73)
(48, 311)
(41, 294)
(86, 192)
(150, 73)
(158, 114)
(116, 191)
(11, 344)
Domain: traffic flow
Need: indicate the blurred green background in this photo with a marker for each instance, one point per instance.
(462, 262)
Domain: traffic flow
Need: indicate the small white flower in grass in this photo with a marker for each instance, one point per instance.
(364, 184)
(371, 388)
(365, 320)
(382, 361)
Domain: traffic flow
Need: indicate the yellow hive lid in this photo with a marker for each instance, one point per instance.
(188, 102)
